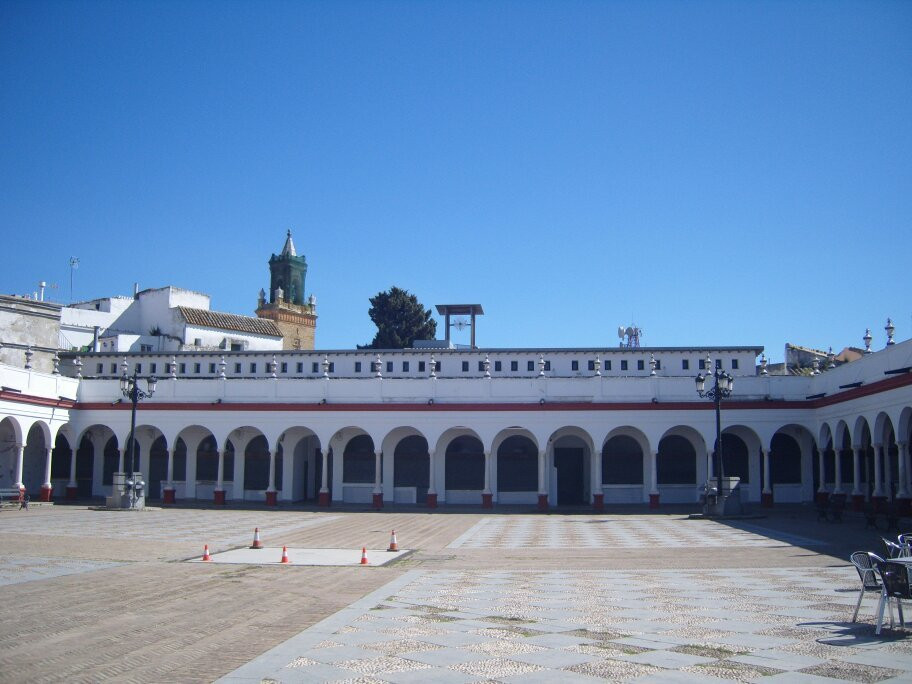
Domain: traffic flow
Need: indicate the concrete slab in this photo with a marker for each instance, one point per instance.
(273, 556)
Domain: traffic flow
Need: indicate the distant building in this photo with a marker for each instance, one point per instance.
(29, 331)
(286, 307)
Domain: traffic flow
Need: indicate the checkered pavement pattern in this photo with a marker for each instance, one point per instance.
(579, 532)
(158, 524)
(15, 570)
(771, 625)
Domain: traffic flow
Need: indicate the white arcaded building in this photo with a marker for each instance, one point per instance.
(546, 427)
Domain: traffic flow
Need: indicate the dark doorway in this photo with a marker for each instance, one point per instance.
(569, 464)
(158, 468)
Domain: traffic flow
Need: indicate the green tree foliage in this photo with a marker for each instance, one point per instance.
(400, 319)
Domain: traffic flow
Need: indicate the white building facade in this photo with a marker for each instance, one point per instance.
(538, 427)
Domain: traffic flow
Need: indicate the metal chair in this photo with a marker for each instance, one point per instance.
(865, 563)
(905, 543)
(894, 550)
(894, 578)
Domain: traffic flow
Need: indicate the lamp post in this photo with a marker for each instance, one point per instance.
(721, 389)
(129, 386)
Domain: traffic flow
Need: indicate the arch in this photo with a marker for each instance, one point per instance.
(359, 460)
(257, 456)
(517, 469)
(676, 461)
(411, 469)
(572, 460)
(61, 458)
(34, 457)
(464, 468)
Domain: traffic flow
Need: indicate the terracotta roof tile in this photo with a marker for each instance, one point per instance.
(226, 321)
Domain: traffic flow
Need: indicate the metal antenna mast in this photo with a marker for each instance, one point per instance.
(74, 264)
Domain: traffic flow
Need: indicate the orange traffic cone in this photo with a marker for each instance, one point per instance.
(394, 543)
(257, 544)
(284, 555)
(364, 556)
(206, 556)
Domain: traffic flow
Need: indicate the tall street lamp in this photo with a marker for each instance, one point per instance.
(721, 389)
(129, 386)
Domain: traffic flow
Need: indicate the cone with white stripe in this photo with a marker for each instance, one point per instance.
(394, 543)
(206, 556)
(285, 555)
(364, 560)
(257, 544)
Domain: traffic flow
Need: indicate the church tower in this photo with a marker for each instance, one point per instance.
(295, 317)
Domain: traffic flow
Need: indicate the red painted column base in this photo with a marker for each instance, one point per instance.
(857, 502)
(653, 500)
(168, 495)
(543, 502)
(46, 493)
(487, 501)
(766, 499)
(272, 498)
(378, 501)
(323, 499)
(598, 502)
(219, 497)
(72, 493)
(431, 500)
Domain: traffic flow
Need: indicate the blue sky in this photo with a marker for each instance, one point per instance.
(716, 172)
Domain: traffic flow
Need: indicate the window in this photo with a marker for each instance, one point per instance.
(591, 365)
(357, 366)
(658, 364)
(332, 367)
(405, 366)
(607, 365)
(237, 346)
(153, 368)
(718, 363)
(253, 368)
(685, 364)
(734, 364)
(389, 366)
(237, 368)
(300, 367)
(530, 365)
(574, 365)
(514, 365)
(138, 368)
(702, 364)
(624, 364)
(421, 366)
(641, 365)
(314, 367)
(197, 342)
(437, 366)
(99, 368)
(498, 366)
(547, 365)
(113, 369)
(145, 347)
(212, 368)
(197, 367)
(481, 366)
(284, 366)
(465, 366)
(183, 369)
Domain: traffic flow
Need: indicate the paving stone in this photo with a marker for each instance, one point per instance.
(666, 659)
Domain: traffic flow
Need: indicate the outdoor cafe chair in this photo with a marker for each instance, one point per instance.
(865, 563)
(895, 580)
(894, 550)
(905, 544)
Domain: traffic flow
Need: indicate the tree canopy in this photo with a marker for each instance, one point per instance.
(400, 319)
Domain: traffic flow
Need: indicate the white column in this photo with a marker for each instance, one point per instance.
(47, 469)
(856, 471)
(220, 478)
(597, 475)
(902, 493)
(710, 465)
(377, 473)
(653, 473)
(767, 485)
(878, 479)
(837, 471)
(20, 454)
(487, 473)
(120, 460)
(170, 481)
(272, 469)
(821, 466)
(432, 471)
(72, 482)
(324, 473)
(887, 471)
(542, 459)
